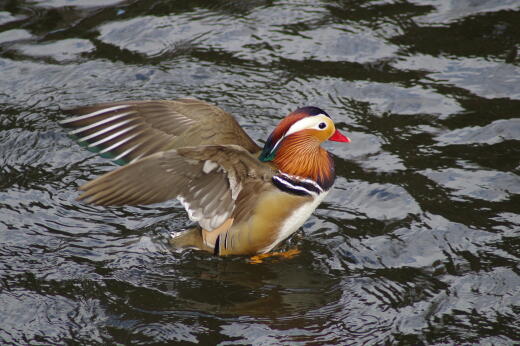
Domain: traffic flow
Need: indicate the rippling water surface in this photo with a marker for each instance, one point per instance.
(418, 243)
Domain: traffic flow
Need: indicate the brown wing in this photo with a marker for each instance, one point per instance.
(207, 180)
(127, 131)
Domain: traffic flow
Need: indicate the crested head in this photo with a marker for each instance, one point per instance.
(312, 122)
(294, 145)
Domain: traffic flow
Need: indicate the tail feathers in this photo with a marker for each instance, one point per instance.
(190, 238)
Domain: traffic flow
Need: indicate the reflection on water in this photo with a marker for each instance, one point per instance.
(418, 242)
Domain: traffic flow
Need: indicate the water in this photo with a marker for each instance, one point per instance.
(418, 243)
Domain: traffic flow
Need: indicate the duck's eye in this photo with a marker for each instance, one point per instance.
(322, 125)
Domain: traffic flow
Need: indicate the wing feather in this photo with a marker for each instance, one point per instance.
(130, 130)
(209, 195)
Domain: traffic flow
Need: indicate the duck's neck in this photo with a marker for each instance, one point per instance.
(304, 157)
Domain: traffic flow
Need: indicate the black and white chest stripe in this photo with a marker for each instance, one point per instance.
(297, 185)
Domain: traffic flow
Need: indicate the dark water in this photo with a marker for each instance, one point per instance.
(419, 243)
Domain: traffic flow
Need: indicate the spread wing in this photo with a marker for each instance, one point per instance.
(206, 179)
(127, 131)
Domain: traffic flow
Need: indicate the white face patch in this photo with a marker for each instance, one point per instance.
(307, 123)
(312, 122)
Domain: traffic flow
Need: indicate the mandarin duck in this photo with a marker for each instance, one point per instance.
(245, 199)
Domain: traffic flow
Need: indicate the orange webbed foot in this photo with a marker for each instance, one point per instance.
(277, 254)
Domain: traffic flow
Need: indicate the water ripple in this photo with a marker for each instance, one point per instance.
(417, 243)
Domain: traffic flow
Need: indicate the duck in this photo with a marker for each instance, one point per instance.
(245, 199)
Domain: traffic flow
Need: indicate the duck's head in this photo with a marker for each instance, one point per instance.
(306, 127)
(294, 145)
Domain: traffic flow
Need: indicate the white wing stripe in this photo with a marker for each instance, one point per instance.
(137, 158)
(112, 136)
(126, 152)
(117, 144)
(93, 114)
(105, 130)
(96, 124)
